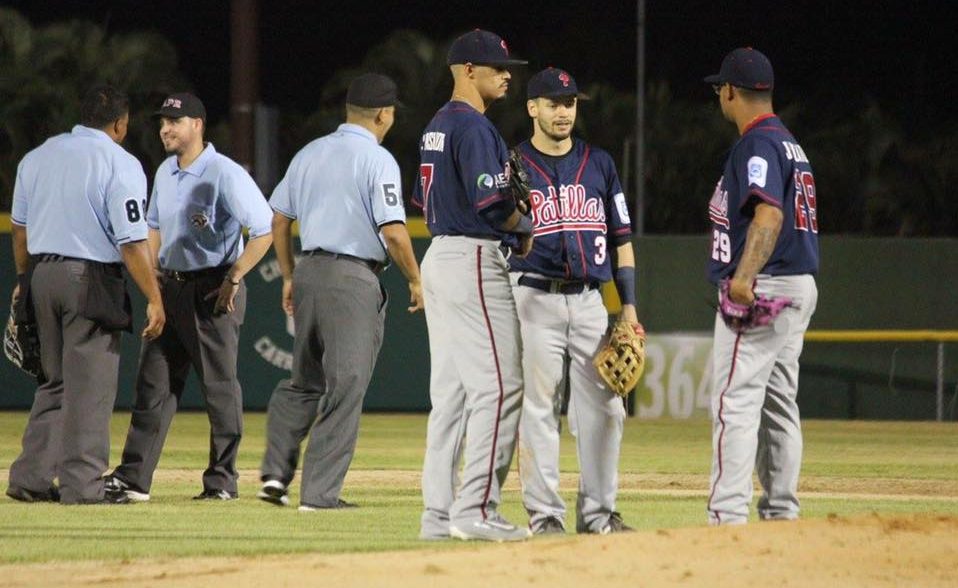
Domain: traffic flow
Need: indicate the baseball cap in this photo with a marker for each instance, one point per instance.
(746, 68)
(182, 104)
(553, 82)
(372, 90)
(481, 48)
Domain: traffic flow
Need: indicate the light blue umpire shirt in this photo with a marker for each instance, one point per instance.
(80, 195)
(201, 211)
(342, 188)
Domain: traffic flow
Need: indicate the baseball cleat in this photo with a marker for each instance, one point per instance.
(550, 526)
(615, 525)
(209, 494)
(115, 484)
(274, 492)
(494, 528)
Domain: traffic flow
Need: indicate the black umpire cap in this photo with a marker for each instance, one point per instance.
(480, 47)
(372, 90)
(745, 68)
(182, 104)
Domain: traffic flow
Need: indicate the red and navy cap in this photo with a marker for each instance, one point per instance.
(182, 104)
(480, 47)
(553, 82)
(746, 68)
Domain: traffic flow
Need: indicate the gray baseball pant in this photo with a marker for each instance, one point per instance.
(68, 432)
(339, 315)
(193, 336)
(755, 414)
(475, 381)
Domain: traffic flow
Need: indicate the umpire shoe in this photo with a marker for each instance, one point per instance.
(211, 494)
(615, 525)
(274, 492)
(52, 494)
(550, 526)
(494, 528)
(340, 503)
(115, 484)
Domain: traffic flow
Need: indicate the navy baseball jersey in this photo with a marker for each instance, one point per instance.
(765, 165)
(462, 172)
(579, 213)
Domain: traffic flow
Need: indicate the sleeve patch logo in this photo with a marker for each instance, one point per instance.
(485, 182)
(622, 208)
(757, 171)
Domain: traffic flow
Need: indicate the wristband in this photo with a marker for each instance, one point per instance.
(625, 284)
(227, 278)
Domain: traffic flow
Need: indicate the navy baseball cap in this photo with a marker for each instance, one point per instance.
(480, 47)
(182, 104)
(553, 82)
(746, 68)
(372, 90)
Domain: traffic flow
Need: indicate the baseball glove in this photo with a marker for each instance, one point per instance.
(21, 345)
(518, 179)
(621, 362)
(742, 317)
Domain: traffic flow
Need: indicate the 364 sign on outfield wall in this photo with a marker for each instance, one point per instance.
(678, 377)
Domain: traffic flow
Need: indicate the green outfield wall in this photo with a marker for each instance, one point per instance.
(864, 284)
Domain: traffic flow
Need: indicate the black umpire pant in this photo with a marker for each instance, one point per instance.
(68, 433)
(193, 336)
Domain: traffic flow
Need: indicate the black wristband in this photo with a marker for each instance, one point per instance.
(625, 284)
(227, 278)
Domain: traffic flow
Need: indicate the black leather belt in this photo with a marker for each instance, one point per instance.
(374, 266)
(179, 276)
(557, 286)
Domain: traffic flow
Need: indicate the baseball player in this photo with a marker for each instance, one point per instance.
(78, 214)
(345, 190)
(201, 202)
(474, 345)
(765, 243)
(582, 229)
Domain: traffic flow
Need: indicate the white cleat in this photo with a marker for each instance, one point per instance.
(495, 529)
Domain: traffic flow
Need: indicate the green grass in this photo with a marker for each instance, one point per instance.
(172, 525)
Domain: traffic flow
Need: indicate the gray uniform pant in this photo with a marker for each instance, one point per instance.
(339, 315)
(475, 381)
(68, 432)
(193, 336)
(560, 332)
(755, 420)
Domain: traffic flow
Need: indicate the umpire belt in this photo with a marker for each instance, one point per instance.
(557, 286)
(374, 266)
(186, 276)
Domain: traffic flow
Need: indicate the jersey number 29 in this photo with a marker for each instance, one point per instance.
(721, 246)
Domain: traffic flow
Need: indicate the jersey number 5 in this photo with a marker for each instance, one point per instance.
(389, 195)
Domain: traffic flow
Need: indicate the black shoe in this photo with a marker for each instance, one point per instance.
(274, 492)
(340, 503)
(52, 494)
(209, 494)
(615, 525)
(550, 526)
(117, 484)
(110, 496)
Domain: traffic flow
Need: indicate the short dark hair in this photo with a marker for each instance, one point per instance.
(102, 104)
(751, 95)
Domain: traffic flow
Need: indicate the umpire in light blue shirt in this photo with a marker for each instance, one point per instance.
(78, 216)
(200, 204)
(345, 191)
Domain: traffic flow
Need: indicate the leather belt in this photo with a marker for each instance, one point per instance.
(557, 286)
(374, 266)
(187, 276)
